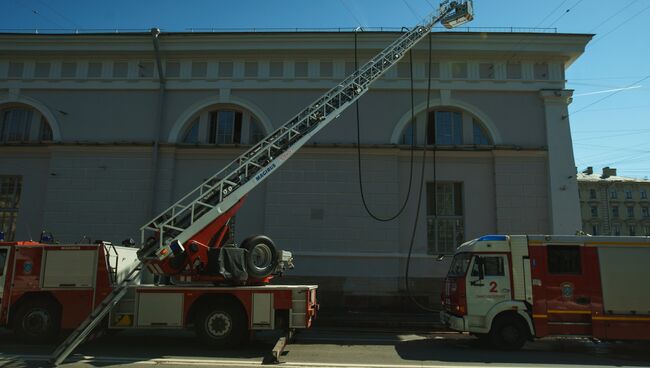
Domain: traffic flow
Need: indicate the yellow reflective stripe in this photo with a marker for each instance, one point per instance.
(622, 318)
(540, 316)
(556, 311)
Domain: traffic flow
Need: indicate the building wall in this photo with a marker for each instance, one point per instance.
(113, 164)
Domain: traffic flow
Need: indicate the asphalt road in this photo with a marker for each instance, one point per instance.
(329, 348)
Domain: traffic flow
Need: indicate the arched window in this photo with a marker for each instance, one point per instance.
(22, 123)
(224, 125)
(447, 126)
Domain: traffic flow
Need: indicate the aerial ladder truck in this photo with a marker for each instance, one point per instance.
(220, 288)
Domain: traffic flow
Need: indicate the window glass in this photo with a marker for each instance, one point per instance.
(592, 193)
(617, 230)
(448, 127)
(613, 194)
(15, 125)
(628, 194)
(630, 212)
(486, 70)
(145, 69)
(492, 266)
(644, 194)
(564, 260)
(45, 130)
(513, 70)
(459, 70)
(459, 265)
(632, 230)
(480, 134)
(615, 211)
(445, 221)
(10, 191)
(645, 212)
(192, 133)
(540, 71)
(408, 135)
(225, 127)
(594, 211)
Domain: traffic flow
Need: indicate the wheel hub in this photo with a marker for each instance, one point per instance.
(36, 322)
(219, 324)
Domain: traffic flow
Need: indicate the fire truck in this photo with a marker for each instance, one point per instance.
(508, 289)
(221, 288)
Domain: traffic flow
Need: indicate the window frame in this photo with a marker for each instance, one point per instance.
(10, 212)
(435, 218)
(433, 135)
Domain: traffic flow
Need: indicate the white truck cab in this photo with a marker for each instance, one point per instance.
(485, 293)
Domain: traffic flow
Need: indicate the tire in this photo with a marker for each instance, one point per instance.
(508, 333)
(262, 257)
(37, 321)
(222, 324)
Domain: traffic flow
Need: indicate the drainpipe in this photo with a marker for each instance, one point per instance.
(158, 122)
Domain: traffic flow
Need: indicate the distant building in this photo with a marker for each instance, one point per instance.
(614, 205)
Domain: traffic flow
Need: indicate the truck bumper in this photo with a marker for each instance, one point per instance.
(453, 322)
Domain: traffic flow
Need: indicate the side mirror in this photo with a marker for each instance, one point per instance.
(440, 257)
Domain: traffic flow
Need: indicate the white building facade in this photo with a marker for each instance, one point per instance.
(94, 143)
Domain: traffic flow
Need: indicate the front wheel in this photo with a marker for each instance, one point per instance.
(222, 324)
(508, 333)
(37, 321)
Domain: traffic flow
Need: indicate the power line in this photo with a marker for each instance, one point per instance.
(610, 95)
(351, 13)
(59, 14)
(613, 16)
(620, 25)
(551, 13)
(417, 16)
(36, 12)
(566, 12)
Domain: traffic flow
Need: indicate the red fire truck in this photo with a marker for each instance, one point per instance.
(48, 287)
(509, 289)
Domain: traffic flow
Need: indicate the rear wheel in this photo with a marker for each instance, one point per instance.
(37, 321)
(262, 257)
(508, 333)
(222, 324)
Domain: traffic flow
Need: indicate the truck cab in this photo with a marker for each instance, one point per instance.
(480, 296)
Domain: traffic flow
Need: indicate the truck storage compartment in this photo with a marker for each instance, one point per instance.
(73, 268)
(624, 274)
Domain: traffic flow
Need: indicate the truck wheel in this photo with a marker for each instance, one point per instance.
(37, 321)
(261, 258)
(222, 324)
(508, 333)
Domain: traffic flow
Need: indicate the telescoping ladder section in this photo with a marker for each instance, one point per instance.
(87, 326)
(224, 189)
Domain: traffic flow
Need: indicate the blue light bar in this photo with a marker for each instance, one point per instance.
(493, 238)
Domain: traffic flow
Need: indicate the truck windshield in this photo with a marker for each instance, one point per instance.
(459, 265)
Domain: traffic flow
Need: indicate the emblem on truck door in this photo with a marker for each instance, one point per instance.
(567, 290)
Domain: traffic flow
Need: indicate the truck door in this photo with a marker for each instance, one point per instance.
(4, 267)
(571, 284)
(494, 287)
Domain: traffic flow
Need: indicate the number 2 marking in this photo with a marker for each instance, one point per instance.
(493, 287)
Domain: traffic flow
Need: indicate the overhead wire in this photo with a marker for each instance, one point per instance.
(612, 16)
(358, 118)
(565, 13)
(628, 20)
(609, 95)
(59, 14)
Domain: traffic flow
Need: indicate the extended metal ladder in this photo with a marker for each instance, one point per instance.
(221, 191)
(87, 326)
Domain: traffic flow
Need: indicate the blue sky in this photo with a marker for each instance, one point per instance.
(609, 128)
